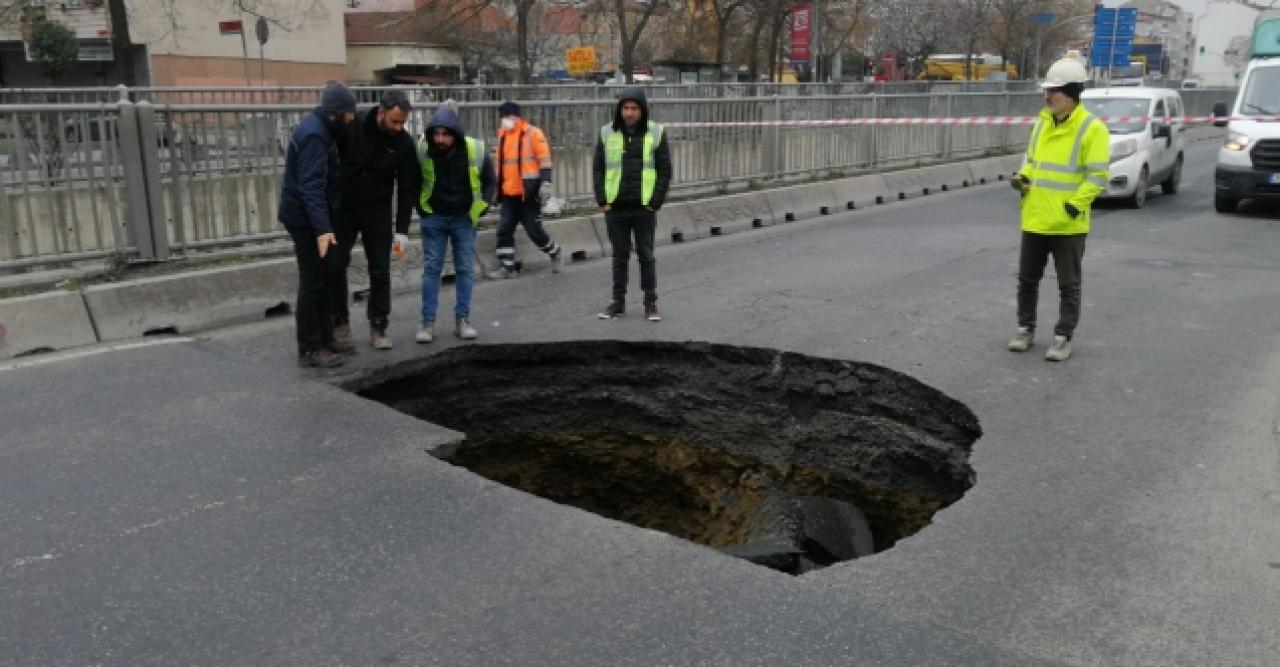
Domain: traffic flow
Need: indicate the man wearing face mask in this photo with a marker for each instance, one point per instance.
(1065, 167)
(379, 159)
(524, 169)
(310, 197)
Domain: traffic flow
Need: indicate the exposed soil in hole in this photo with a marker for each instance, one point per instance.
(774, 457)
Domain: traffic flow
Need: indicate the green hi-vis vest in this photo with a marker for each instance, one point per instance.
(613, 162)
(475, 157)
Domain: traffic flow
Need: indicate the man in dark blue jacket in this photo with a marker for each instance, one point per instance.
(309, 199)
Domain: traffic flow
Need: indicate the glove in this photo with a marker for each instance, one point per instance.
(399, 246)
(544, 191)
(1019, 183)
(1071, 210)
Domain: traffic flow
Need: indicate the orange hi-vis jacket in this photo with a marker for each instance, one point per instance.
(524, 159)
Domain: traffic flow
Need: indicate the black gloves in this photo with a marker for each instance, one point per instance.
(1071, 210)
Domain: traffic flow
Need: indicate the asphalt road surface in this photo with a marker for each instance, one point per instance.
(206, 502)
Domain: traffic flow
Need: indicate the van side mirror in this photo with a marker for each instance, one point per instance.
(1162, 130)
(1220, 114)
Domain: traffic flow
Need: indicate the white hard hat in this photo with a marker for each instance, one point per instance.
(1066, 70)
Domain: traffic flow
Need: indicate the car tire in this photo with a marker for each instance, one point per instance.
(1225, 204)
(1170, 185)
(1139, 197)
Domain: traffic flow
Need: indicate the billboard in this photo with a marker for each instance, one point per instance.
(801, 33)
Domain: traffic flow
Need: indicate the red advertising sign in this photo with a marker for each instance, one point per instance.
(801, 24)
(230, 27)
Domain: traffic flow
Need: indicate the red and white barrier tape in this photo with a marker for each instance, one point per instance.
(963, 120)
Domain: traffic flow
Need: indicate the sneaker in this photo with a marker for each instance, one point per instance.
(613, 310)
(338, 346)
(426, 334)
(379, 339)
(321, 359)
(651, 312)
(557, 260)
(462, 329)
(504, 272)
(1060, 350)
(1022, 341)
(342, 332)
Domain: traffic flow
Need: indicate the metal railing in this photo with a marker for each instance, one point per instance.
(144, 181)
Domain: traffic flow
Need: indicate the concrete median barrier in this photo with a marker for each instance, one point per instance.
(734, 213)
(575, 235)
(44, 322)
(859, 191)
(802, 201)
(192, 301)
(988, 170)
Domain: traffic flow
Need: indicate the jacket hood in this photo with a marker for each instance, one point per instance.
(634, 94)
(447, 118)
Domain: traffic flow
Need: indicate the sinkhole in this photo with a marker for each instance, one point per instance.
(789, 461)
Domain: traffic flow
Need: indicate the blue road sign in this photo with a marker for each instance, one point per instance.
(1113, 31)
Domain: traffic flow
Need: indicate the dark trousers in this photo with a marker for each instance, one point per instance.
(1068, 252)
(624, 225)
(311, 312)
(372, 223)
(514, 212)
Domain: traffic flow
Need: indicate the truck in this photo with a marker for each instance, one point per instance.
(1248, 164)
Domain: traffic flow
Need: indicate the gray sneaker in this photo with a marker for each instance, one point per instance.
(504, 272)
(463, 329)
(427, 333)
(1022, 341)
(557, 260)
(1060, 350)
(379, 339)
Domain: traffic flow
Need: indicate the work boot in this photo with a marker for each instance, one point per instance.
(651, 312)
(504, 272)
(426, 334)
(379, 339)
(1060, 350)
(1022, 341)
(462, 329)
(337, 346)
(613, 310)
(557, 260)
(342, 332)
(320, 359)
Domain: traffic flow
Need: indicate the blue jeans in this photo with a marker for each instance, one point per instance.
(437, 230)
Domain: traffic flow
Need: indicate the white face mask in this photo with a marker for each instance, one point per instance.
(508, 123)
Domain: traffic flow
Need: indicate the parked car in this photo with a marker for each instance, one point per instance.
(1147, 140)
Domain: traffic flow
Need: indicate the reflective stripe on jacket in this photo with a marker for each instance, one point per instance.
(475, 156)
(1065, 163)
(613, 162)
(523, 154)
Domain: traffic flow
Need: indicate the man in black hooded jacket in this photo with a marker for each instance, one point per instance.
(632, 173)
(378, 158)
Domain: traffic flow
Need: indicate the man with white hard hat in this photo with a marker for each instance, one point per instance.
(1065, 167)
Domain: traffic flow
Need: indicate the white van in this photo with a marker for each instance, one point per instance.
(1249, 162)
(1146, 127)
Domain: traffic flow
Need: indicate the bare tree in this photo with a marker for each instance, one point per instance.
(631, 19)
(912, 28)
(971, 20)
(1009, 19)
(723, 11)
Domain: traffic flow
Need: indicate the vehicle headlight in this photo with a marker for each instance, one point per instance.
(1237, 141)
(1123, 149)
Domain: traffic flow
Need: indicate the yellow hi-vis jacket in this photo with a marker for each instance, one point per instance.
(1065, 163)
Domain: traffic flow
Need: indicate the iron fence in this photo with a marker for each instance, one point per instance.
(147, 181)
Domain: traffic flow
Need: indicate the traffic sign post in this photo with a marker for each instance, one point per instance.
(1113, 32)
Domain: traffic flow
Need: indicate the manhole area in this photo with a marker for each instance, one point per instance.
(788, 461)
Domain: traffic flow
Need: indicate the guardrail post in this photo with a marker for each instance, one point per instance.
(140, 156)
(771, 138)
(873, 134)
(948, 130)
